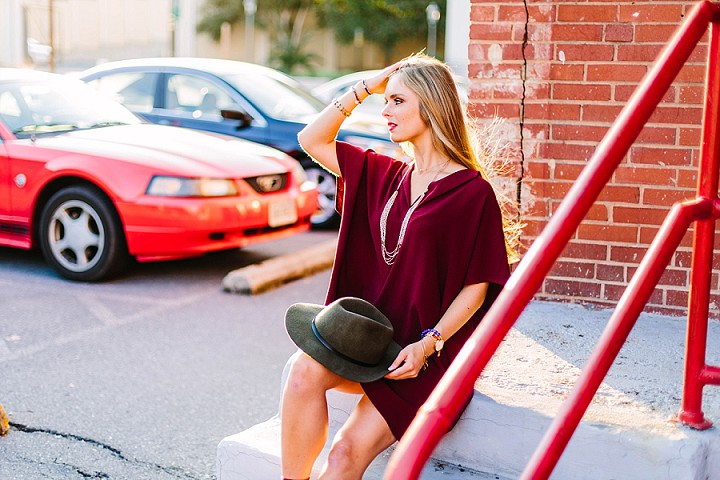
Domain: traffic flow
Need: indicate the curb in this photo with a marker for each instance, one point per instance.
(276, 271)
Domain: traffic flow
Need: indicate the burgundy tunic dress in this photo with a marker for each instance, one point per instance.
(454, 238)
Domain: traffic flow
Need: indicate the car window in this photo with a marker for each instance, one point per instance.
(10, 111)
(196, 96)
(48, 107)
(275, 98)
(135, 90)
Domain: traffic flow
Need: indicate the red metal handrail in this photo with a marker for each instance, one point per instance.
(697, 373)
(434, 418)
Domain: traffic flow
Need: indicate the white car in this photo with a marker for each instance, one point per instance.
(372, 105)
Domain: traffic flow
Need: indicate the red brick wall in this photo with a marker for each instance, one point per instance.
(560, 72)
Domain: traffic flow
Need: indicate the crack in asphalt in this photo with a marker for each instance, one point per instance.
(24, 428)
(83, 473)
(177, 472)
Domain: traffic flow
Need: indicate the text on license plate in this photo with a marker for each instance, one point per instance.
(282, 212)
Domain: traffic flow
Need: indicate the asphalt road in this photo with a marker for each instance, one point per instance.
(140, 377)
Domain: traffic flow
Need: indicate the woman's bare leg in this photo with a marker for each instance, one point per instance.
(304, 413)
(359, 441)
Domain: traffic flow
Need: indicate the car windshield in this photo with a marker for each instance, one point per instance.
(277, 99)
(45, 107)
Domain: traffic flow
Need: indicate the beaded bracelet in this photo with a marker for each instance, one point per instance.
(357, 99)
(432, 332)
(337, 103)
(439, 340)
(366, 88)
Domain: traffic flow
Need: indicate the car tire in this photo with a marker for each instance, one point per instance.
(81, 235)
(326, 215)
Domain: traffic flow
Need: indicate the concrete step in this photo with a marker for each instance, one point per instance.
(255, 453)
(626, 433)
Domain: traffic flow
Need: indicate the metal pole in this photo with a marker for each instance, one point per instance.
(691, 412)
(613, 338)
(432, 38)
(51, 33)
(433, 17)
(250, 7)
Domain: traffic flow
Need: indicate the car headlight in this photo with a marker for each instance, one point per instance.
(163, 186)
(388, 148)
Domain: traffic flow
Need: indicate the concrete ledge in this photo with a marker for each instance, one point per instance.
(276, 271)
(625, 434)
(254, 454)
(495, 437)
(492, 437)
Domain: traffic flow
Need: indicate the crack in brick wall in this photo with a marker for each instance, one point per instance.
(523, 77)
(560, 72)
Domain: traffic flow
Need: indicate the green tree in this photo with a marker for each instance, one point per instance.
(217, 12)
(289, 36)
(384, 22)
(285, 19)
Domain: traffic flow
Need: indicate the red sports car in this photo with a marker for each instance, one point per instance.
(90, 184)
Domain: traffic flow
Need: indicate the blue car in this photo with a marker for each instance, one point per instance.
(238, 99)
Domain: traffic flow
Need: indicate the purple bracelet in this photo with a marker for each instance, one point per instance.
(434, 332)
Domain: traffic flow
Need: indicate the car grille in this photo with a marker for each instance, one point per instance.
(268, 183)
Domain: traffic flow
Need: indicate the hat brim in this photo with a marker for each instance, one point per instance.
(298, 321)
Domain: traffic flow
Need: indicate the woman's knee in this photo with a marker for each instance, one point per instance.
(343, 454)
(306, 374)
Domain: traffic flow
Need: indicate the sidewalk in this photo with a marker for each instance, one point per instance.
(626, 433)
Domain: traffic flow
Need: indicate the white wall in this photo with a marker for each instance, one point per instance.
(457, 35)
(90, 31)
(12, 48)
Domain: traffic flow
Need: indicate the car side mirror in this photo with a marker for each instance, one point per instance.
(244, 118)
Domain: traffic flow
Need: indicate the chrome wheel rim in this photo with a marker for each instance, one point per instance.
(76, 236)
(326, 183)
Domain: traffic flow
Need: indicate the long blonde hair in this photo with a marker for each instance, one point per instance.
(456, 136)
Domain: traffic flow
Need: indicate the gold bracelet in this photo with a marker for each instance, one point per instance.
(357, 99)
(439, 340)
(366, 88)
(337, 103)
(425, 357)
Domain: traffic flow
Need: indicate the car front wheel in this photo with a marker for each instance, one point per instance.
(326, 216)
(81, 236)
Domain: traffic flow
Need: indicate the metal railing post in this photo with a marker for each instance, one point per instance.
(691, 412)
(614, 335)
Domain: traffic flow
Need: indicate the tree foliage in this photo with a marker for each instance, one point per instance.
(284, 19)
(383, 22)
(217, 12)
(289, 36)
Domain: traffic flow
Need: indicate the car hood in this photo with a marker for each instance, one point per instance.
(179, 150)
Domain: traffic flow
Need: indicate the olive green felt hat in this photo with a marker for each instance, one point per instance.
(350, 337)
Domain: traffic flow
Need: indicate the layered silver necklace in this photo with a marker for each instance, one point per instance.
(389, 255)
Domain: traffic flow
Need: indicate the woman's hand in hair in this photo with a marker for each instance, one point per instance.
(377, 83)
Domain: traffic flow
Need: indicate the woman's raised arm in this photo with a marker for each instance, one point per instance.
(318, 137)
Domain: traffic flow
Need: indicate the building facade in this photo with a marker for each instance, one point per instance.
(87, 32)
(560, 72)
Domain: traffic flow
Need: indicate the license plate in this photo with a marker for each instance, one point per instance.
(282, 212)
